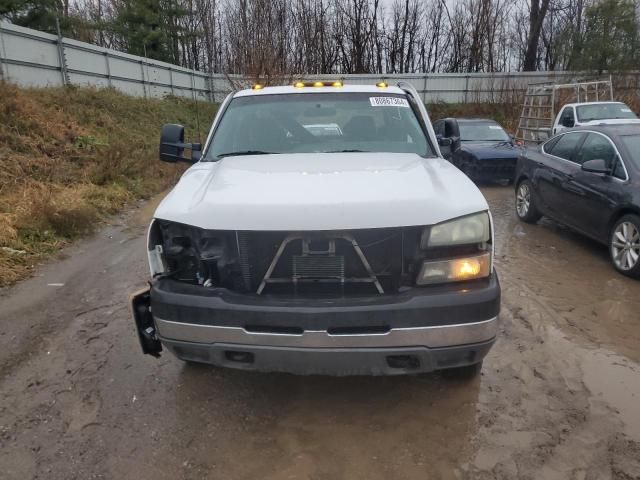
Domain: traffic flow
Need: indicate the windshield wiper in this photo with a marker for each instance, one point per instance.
(245, 152)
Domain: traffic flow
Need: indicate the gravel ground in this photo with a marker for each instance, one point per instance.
(558, 398)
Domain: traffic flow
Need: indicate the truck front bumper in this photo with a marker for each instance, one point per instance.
(420, 330)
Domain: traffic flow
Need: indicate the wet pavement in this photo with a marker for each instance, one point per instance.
(559, 396)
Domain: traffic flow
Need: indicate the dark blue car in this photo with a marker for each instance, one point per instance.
(479, 147)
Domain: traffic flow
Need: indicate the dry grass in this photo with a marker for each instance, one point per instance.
(69, 158)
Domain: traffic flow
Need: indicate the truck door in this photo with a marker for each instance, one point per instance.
(566, 119)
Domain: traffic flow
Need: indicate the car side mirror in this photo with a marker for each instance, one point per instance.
(172, 145)
(445, 141)
(596, 166)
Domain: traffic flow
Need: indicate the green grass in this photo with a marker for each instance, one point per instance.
(70, 157)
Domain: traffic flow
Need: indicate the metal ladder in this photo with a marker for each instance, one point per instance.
(539, 105)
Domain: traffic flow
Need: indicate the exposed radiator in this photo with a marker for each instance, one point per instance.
(318, 267)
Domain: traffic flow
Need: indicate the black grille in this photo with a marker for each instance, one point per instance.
(383, 249)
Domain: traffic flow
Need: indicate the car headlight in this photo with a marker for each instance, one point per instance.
(462, 231)
(455, 269)
(456, 250)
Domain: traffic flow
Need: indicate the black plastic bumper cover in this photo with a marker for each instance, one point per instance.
(331, 361)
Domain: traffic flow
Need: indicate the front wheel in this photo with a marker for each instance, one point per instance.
(624, 245)
(525, 204)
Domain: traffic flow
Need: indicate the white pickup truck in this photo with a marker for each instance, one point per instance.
(320, 231)
(593, 113)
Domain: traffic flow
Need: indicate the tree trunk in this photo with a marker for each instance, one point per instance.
(536, 18)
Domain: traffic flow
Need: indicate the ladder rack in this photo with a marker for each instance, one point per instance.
(539, 105)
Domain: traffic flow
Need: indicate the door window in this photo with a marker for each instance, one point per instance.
(596, 147)
(567, 119)
(566, 145)
(547, 147)
(618, 170)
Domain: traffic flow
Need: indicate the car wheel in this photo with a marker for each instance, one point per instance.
(525, 203)
(468, 372)
(624, 245)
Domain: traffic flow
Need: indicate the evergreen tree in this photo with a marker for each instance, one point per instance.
(611, 39)
(37, 14)
(143, 29)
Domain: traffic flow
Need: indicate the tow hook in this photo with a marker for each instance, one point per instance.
(140, 303)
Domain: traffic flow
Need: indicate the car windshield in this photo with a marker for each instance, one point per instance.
(632, 143)
(318, 123)
(482, 132)
(603, 111)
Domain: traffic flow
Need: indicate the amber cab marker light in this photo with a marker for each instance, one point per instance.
(381, 84)
(318, 84)
(299, 84)
(257, 86)
(337, 84)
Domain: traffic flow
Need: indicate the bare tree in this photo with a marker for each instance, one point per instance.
(537, 13)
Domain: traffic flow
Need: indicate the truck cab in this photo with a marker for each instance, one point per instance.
(593, 113)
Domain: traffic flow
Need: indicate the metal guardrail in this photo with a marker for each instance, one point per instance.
(36, 59)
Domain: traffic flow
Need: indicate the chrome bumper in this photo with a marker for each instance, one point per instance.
(431, 337)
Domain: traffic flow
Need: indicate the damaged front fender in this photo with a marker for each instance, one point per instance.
(140, 303)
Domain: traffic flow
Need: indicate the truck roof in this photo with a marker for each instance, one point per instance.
(288, 89)
(580, 104)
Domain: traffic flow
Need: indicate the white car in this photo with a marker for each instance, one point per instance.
(593, 113)
(283, 250)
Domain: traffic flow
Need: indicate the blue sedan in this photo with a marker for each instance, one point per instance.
(479, 147)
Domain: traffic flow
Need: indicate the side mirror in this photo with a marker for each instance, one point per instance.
(445, 141)
(172, 145)
(596, 166)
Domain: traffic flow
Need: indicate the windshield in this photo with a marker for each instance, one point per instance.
(632, 142)
(482, 132)
(603, 111)
(318, 122)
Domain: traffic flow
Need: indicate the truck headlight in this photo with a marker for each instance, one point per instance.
(461, 231)
(189, 254)
(456, 250)
(455, 269)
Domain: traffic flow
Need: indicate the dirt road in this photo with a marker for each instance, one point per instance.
(559, 397)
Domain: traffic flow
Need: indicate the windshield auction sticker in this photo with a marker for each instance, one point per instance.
(388, 102)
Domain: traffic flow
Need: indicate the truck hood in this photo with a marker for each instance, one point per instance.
(491, 150)
(320, 191)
